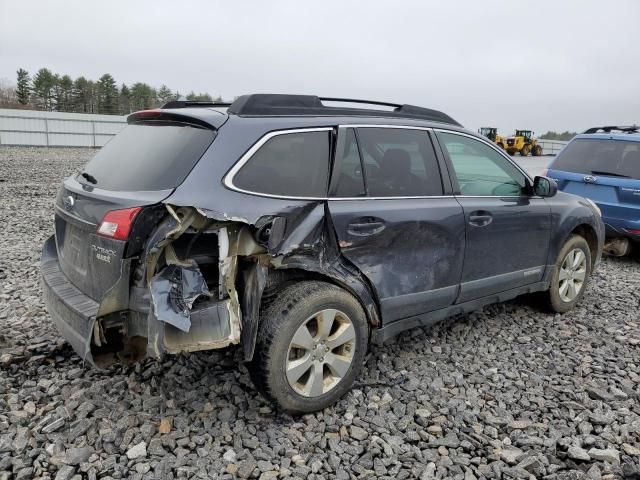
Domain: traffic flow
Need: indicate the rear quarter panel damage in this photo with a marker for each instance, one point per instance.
(300, 238)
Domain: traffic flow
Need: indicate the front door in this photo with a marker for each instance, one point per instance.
(393, 221)
(507, 229)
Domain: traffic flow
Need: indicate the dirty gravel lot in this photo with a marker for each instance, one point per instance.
(508, 392)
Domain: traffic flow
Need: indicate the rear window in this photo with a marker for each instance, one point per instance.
(291, 165)
(399, 162)
(600, 157)
(149, 157)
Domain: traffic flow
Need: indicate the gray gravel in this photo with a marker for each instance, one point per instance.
(508, 392)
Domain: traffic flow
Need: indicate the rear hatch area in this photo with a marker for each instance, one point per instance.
(607, 171)
(105, 213)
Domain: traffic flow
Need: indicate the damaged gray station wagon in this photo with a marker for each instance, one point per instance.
(300, 231)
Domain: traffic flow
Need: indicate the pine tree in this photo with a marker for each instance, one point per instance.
(64, 94)
(23, 88)
(165, 95)
(81, 95)
(142, 96)
(107, 97)
(125, 100)
(43, 87)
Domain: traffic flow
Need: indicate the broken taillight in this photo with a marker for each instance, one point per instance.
(117, 223)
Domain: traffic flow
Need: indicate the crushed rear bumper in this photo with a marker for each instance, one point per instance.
(73, 313)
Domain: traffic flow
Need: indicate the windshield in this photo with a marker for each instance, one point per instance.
(617, 157)
(154, 156)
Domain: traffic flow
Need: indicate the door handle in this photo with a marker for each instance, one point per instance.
(480, 219)
(362, 227)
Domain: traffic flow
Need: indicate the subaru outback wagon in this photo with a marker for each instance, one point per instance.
(300, 231)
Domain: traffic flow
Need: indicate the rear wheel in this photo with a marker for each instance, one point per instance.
(311, 345)
(571, 275)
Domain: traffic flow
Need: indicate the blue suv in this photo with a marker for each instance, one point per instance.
(603, 164)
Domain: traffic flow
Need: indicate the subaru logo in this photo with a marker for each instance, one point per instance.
(68, 202)
(589, 179)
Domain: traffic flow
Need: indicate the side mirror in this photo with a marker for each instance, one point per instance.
(544, 186)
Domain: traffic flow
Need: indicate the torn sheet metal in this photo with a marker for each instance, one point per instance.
(174, 290)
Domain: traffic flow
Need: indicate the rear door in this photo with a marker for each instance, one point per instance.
(139, 167)
(394, 220)
(606, 170)
(507, 230)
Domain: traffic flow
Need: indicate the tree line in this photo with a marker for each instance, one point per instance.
(565, 136)
(50, 91)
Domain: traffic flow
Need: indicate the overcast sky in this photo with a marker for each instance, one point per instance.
(544, 65)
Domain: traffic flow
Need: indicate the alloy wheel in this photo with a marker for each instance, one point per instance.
(573, 273)
(320, 353)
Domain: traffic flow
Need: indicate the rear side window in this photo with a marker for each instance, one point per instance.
(349, 181)
(399, 162)
(600, 157)
(292, 165)
(149, 157)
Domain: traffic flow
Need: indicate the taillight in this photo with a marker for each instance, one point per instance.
(117, 223)
(632, 231)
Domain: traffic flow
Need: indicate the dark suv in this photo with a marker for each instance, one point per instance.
(300, 232)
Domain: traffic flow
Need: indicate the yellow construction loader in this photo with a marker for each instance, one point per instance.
(524, 143)
(492, 134)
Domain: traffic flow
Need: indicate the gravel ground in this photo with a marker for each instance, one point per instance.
(508, 392)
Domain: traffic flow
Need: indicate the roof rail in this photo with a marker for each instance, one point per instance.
(262, 104)
(195, 103)
(609, 129)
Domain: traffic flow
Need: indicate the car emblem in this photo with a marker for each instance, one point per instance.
(69, 202)
(589, 179)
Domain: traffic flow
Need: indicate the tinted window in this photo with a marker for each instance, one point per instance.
(583, 155)
(294, 164)
(399, 162)
(149, 157)
(349, 181)
(479, 169)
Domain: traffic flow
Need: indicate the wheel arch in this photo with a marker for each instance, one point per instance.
(278, 278)
(587, 232)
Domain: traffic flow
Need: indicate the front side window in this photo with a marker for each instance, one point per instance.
(399, 162)
(480, 170)
(291, 164)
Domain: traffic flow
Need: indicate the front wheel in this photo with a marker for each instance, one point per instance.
(311, 345)
(571, 275)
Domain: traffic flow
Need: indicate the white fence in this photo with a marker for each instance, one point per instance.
(57, 129)
(552, 147)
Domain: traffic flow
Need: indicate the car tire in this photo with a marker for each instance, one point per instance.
(305, 361)
(571, 276)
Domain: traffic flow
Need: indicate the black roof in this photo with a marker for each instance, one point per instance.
(270, 105)
(612, 128)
